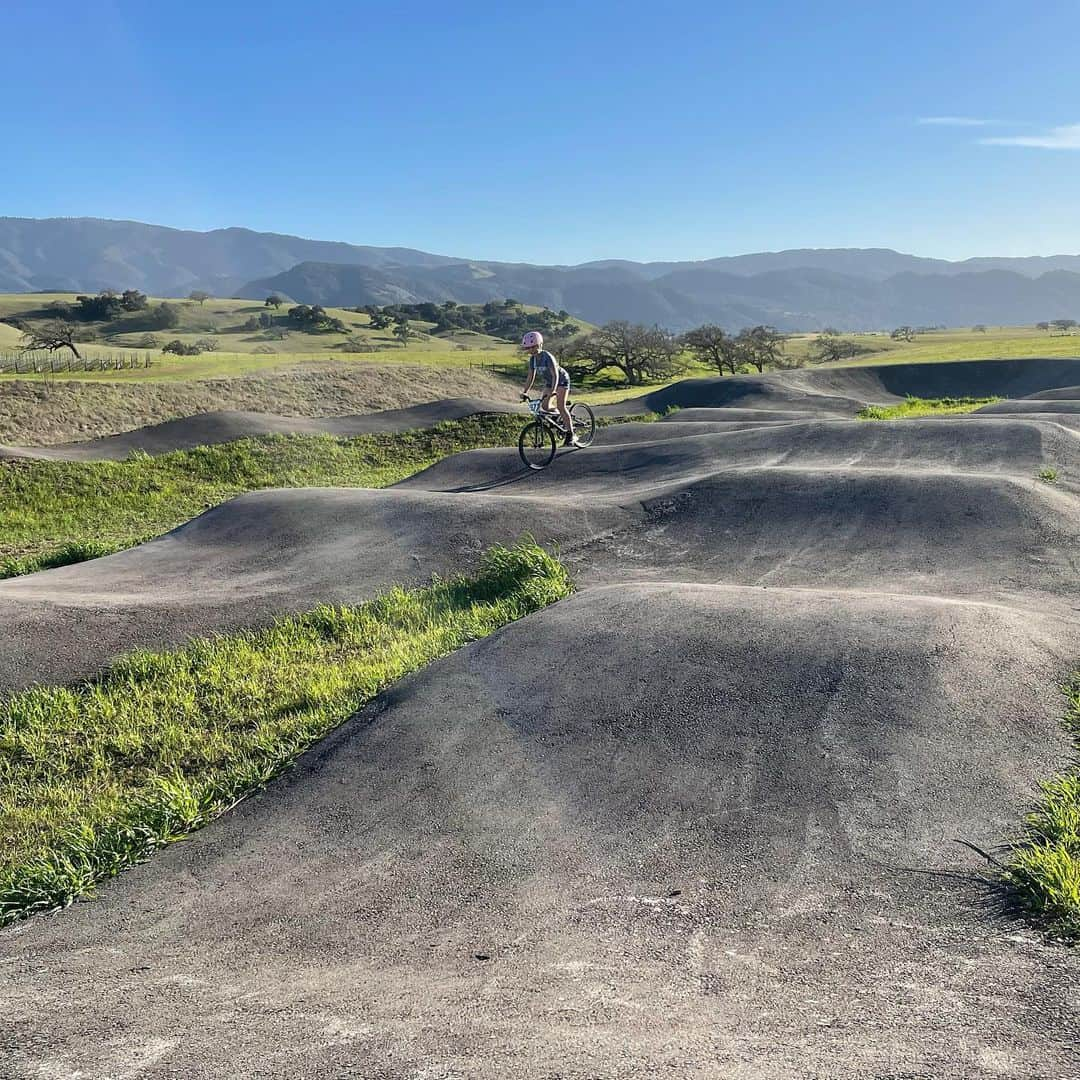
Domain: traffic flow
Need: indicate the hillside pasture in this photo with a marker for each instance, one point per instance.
(239, 349)
(958, 343)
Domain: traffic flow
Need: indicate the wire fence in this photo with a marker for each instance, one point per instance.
(497, 367)
(40, 363)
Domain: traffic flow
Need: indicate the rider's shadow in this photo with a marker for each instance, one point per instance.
(510, 477)
(515, 477)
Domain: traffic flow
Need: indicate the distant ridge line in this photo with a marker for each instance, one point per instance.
(795, 289)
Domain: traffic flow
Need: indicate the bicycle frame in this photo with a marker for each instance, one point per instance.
(551, 427)
(552, 419)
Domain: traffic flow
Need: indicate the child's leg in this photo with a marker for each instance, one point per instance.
(564, 413)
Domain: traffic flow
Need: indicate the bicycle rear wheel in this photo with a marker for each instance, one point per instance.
(536, 445)
(584, 423)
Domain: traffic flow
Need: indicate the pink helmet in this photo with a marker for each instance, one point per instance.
(533, 337)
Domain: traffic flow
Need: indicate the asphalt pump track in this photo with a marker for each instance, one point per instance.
(698, 820)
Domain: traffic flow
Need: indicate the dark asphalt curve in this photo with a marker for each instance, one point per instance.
(698, 820)
(206, 429)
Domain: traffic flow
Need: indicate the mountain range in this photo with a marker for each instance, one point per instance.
(805, 289)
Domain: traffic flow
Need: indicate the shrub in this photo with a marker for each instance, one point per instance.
(356, 345)
(106, 305)
(164, 317)
(133, 300)
(180, 348)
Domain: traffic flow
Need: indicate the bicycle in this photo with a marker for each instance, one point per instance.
(540, 437)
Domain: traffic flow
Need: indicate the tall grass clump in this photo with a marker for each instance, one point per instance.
(915, 406)
(1044, 865)
(75, 552)
(95, 777)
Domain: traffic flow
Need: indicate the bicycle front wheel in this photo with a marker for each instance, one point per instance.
(537, 445)
(584, 423)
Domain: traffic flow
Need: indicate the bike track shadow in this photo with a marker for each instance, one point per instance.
(517, 476)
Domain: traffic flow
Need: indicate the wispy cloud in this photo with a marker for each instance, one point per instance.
(1066, 137)
(952, 121)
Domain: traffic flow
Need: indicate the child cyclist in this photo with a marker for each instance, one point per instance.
(544, 366)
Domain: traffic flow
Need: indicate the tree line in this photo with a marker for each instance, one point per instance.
(109, 304)
(649, 353)
(63, 326)
(314, 317)
(506, 319)
(645, 354)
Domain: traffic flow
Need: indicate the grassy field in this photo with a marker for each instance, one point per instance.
(239, 351)
(95, 777)
(221, 320)
(999, 342)
(58, 512)
(1045, 865)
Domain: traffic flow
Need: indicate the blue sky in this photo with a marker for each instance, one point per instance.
(555, 132)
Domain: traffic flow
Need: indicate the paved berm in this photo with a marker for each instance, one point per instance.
(697, 821)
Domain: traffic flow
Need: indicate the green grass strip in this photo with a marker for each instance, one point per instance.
(1044, 866)
(75, 552)
(96, 777)
(56, 512)
(915, 406)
